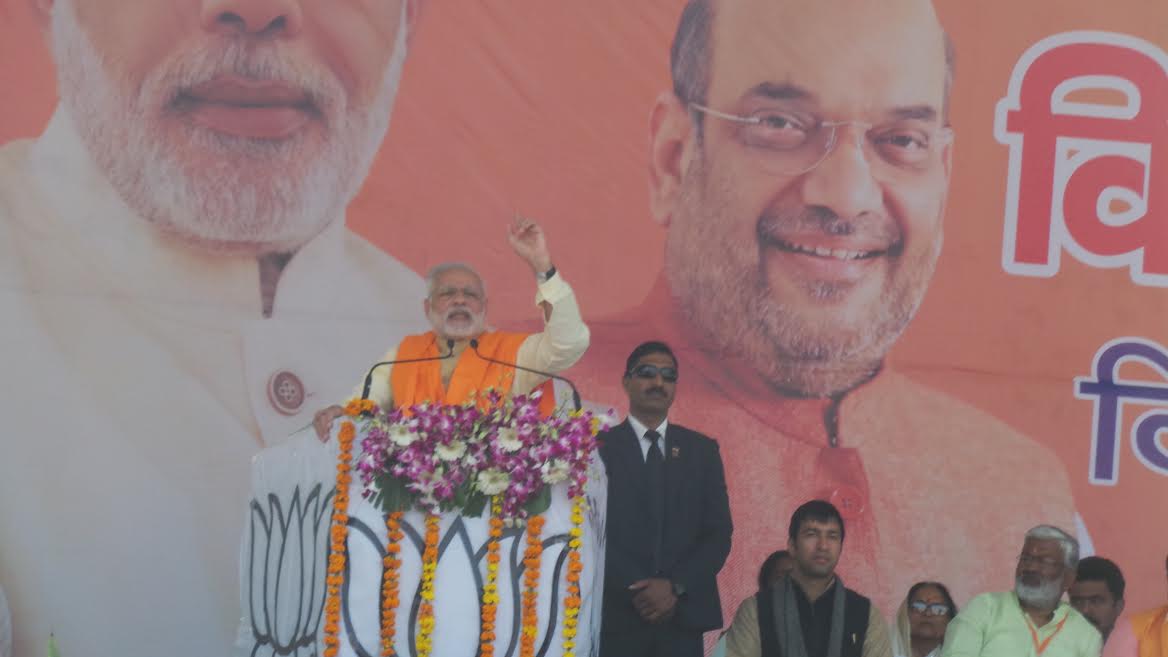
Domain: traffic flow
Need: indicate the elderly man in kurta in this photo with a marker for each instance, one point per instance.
(1032, 619)
(456, 307)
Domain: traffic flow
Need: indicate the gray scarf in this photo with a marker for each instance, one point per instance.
(790, 630)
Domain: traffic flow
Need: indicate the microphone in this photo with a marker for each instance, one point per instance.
(369, 376)
(474, 344)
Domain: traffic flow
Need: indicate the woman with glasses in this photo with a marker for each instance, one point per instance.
(922, 619)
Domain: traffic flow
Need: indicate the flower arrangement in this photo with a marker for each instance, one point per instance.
(490, 608)
(425, 641)
(338, 531)
(389, 587)
(531, 559)
(438, 458)
(572, 599)
(435, 458)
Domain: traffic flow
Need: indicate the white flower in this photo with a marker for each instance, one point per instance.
(450, 451)
(555, 471)
(508, 440)
(492, 481)
(402, 435)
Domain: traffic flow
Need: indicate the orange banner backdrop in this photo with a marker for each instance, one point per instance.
(1001, 406)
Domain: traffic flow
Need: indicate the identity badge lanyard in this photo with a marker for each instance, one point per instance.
(1039, 648)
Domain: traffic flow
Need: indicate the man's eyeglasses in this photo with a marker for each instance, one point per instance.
(792, 142)
(929, 608)
(652, 371)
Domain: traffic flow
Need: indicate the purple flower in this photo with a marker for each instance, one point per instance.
(509, 450)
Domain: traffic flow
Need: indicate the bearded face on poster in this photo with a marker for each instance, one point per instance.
(800, 165)
(173, 254)
(241, 144)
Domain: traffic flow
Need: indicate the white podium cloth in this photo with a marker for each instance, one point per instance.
(284, 555)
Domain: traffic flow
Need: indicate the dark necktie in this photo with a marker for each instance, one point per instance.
(655, 483)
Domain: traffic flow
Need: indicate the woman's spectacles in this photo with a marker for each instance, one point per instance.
(929, 608)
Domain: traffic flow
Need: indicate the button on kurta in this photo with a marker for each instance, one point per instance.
(286, 392)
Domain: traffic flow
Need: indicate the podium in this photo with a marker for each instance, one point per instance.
(284, 557)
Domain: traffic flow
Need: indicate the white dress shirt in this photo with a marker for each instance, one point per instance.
(645, 443)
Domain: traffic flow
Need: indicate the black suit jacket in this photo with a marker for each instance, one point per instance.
(696, 533)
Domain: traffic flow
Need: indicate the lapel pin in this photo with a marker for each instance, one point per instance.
(675, 452)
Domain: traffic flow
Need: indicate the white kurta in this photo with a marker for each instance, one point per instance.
(137, 379)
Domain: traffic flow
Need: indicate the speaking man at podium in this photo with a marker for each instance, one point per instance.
(439, 367)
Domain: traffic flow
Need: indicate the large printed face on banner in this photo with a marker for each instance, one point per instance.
(802, 175)
(800, 166)
(174, 241)
(245, 126)
(773, 205)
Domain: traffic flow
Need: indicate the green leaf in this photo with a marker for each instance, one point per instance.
(540, 502)
(461, 493)
(392, 494)
(475, 503)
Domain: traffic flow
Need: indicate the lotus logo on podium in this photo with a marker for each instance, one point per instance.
(545, 588)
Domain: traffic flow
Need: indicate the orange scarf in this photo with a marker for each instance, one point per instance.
(414, 383)
(1152, 632)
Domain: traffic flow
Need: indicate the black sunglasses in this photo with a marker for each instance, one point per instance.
(647, 371)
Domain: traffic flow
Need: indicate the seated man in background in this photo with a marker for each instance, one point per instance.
(1098, 593)
(1031, 619)
(456, 307)
(1144, 635)
(811, 613)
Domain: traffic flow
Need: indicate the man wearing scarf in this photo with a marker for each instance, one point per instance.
(810, 613)
(456, 307)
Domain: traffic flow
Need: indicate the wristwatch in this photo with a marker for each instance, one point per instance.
(678, 588)
(546, 276)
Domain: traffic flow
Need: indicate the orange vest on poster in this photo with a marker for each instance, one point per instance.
(414, 383)
(1152, 632)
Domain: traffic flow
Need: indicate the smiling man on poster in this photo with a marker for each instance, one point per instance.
(801, 165)
(173, 263)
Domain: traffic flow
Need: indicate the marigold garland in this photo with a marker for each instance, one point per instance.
(389, 435)
(338, 533)
(531, 559)
(389, 587)
(490, 588)
(572, 599)
(355, 407)
(424, 641)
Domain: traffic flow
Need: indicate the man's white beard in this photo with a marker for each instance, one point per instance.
(255, 196)
(442, 325)
(1043, 596)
